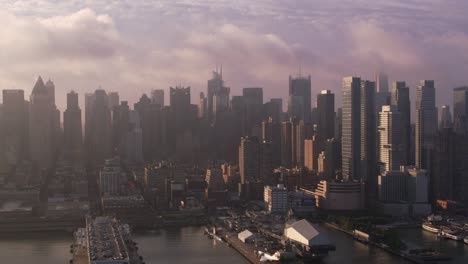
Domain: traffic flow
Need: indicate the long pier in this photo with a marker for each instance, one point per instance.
(245, 250)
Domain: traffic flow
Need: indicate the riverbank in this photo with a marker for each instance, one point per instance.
(382, 246)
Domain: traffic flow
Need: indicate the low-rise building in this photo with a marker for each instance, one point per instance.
(276, 199)
(340, 196)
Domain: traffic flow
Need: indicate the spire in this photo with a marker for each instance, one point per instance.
(221, 71)
(39, 87)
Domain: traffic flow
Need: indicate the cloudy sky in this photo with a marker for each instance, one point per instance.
(133, 46)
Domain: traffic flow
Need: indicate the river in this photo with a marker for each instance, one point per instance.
(190, 245)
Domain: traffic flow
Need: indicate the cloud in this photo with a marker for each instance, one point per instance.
(134, 46)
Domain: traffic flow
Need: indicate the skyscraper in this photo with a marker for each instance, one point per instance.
(401, 99)
(202, 106)
(382, 96)
(98, 139)
(249, 159)
(460, 109)
(157, 97)
(14, 126)
(426, 124)
(351, 128)
(73, 138)
(311, 154)
(217, 95)
(41, 125)
(286, 144)
(390, 139)
(445, 117)
(299, 104)
(326, 117)
(368, 168)
(271, 132)
(253, 106)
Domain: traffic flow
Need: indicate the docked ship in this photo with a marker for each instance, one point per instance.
(430, 227)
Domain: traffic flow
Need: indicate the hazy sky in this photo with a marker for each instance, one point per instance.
(134, 46)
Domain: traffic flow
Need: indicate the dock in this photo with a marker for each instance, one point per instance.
(244, 249)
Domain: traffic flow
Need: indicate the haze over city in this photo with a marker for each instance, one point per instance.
(134, 46)
(209, 131)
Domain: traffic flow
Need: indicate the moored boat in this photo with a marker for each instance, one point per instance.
(430, 227)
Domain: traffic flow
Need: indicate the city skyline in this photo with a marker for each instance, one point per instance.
(129, 46)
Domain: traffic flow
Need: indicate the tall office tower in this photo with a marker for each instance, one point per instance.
(253, 106)
(273, 109)
(445, 117)
(41, 126)
(286, 144)
(442, 176)
(382, 96)
(89, 102)
(299, 104)
(338, 124)
(157, 97)
(332, 158)
(311, 154)
(368, 138)
(426, 124)
(325, 117)
(133, 145)
(180, 106)
(390, 139)
(113, 100)
(351, 128)
(202, 106)
(460, 109)
(449, 176)
(73, 136)
(300, 136)
(266, 162)
(217, 96)
(249, 159)
(98, 140)
(401, 99)
(271, 132)
(14, 126)
(144, 108)
(120, 126)
(56, 128)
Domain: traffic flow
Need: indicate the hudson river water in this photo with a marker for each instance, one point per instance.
(190, 245)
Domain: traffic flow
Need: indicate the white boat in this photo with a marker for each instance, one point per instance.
(465, 240)
(451, 234)
(430, 227)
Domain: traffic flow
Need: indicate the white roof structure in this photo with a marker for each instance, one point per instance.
(305, 233)
(244, 235)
